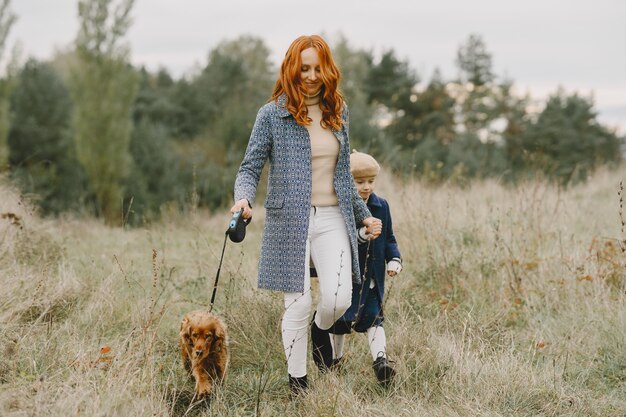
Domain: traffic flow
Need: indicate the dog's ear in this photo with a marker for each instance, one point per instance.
(219, 338)
(220, 333)
(185, 328)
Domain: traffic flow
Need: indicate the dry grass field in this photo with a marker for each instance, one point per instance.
(512, 303)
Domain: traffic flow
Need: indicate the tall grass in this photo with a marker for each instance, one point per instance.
(512, 302)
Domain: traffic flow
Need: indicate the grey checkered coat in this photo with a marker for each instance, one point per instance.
(277, 136)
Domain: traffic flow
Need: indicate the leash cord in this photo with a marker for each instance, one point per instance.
(217, 276)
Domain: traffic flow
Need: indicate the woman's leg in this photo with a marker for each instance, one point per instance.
(295, 328)
(331, 254)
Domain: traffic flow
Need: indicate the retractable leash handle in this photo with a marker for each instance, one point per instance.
(237, 227)
(236, 232)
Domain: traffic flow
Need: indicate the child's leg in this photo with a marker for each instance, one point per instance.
(337, 341)
(377, 341)
(383, 370)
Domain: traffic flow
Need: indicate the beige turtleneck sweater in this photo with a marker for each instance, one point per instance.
(324, 153)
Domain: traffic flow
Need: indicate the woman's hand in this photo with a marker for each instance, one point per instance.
(242, 204)
(374, 227)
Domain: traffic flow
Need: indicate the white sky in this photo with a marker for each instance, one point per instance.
(540, 44)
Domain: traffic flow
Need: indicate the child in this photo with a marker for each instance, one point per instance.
(365, 315)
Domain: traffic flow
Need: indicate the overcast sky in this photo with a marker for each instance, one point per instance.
(540, 44)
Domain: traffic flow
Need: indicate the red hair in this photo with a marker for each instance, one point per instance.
(290, 83)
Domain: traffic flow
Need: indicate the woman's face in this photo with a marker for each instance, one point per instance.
(310, 71)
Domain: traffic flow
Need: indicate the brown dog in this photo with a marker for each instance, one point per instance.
(204, 348)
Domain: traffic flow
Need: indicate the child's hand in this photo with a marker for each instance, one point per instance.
(394, 267)
(374, 227)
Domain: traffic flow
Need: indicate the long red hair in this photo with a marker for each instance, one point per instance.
(290, 83)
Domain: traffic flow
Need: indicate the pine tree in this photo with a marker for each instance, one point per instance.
(566, 141)
(41, 151)
(103, 87)
(476, 91)
(438, 111)
(236, 81)
(474, 61)
(391, 82)
(355, 67)
(391, 90)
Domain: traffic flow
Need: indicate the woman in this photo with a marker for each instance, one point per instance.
(312, 206)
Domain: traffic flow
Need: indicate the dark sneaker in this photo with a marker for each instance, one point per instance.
(384, 372)
(321, 347)
(298, 385)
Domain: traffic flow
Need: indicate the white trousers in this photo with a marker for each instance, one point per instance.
(328, 247)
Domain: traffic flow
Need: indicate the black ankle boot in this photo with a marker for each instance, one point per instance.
(384, 372)
(298, 384)
(322, 347)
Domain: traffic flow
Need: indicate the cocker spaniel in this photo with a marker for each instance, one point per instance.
(204, 349)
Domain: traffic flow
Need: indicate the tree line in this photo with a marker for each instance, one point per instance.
(87, 131)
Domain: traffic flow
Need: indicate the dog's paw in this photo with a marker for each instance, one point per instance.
(203, 389)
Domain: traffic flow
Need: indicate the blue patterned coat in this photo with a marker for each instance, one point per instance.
(276, 136)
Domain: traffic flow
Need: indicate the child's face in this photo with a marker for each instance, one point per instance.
(365, 186)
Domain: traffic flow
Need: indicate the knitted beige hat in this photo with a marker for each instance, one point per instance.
(363, 165)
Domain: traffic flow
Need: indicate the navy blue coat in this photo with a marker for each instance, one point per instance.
(381, 250)
(278, 138)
